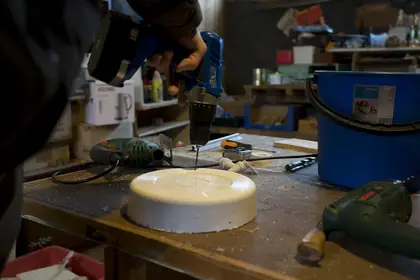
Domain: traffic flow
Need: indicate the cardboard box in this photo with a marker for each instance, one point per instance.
(235, 108)
(376, 15)
(90, 135)
(50, 157)
(294, 73)
(268, 114)
(110, 105)
(310, 16)
(324, 57)
(303, 54)
(308, 126)
(62, 130)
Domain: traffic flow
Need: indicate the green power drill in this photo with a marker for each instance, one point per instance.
(376, 213)
(129, 152)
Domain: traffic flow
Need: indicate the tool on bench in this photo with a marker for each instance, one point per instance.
(298, 165)
(239, 151)
(236, 150)
(134, 153)
(122, 45)
(376, 213)
(230, 144)
(128, 152)
(237, 154)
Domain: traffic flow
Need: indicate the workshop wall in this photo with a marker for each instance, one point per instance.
(252, 38)
(212, 15)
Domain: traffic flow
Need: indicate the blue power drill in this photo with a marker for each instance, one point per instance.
(122, 45)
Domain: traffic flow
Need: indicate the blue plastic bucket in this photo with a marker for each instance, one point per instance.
(368, 126)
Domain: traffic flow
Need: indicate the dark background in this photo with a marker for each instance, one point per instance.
(252, 38)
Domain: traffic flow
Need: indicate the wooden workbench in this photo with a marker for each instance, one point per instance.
(288, 207)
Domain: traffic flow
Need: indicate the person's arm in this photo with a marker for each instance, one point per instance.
(180, 18)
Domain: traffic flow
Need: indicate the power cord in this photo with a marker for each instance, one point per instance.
(117, 161)
(235, 161)
(85, 180)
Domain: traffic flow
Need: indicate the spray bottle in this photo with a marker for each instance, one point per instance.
(157, 89)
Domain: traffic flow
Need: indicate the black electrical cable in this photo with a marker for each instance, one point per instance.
(85, 180)
(72, 167)
(117, 161)
(235, 161)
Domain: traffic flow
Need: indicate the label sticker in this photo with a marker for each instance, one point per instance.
(374, 104)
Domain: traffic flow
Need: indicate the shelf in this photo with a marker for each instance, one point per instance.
(281, 86)
(149, 106)
(295, 86)
(373, 50)
(272, 4)
(283, 94)
(283, 134)
(155, 129)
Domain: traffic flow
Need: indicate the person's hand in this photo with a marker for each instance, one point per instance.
(162, 61)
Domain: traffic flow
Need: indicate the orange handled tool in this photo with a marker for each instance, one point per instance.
(229, 144)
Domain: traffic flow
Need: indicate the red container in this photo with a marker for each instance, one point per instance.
(311, 16)
(284, 57)
(79, 264)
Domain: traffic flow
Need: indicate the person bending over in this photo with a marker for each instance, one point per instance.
(41, 50)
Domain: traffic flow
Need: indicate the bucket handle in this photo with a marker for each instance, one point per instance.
(380, 129)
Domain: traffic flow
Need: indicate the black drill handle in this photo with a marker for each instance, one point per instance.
(387, 234)
(103, 154)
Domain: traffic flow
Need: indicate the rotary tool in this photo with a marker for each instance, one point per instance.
(376, 213)
(128, 152)
(122, 45)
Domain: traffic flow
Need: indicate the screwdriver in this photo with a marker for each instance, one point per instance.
(229, 144)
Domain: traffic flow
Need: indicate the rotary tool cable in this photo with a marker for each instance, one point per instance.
(85, 180)
(117, 161)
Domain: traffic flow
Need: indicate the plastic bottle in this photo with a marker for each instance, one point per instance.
(138, 86)
(157, 89)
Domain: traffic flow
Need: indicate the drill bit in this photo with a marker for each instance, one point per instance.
(196, 157)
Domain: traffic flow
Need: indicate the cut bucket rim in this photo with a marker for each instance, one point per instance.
(367, 127)
(355, 73)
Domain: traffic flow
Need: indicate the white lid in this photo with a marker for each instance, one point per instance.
(193, 187)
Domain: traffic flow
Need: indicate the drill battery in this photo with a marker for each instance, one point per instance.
(235, 150)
